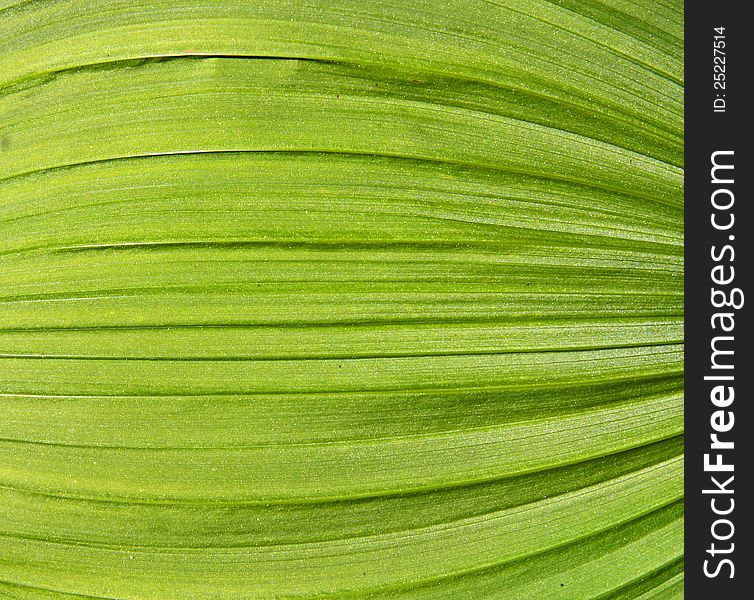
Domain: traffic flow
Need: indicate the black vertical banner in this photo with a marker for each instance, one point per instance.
(719, 301)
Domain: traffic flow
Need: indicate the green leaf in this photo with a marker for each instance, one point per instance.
(338, 299)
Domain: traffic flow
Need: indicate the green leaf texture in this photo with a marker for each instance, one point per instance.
(351, 299)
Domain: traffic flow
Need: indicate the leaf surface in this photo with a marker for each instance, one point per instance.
(337, 299)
